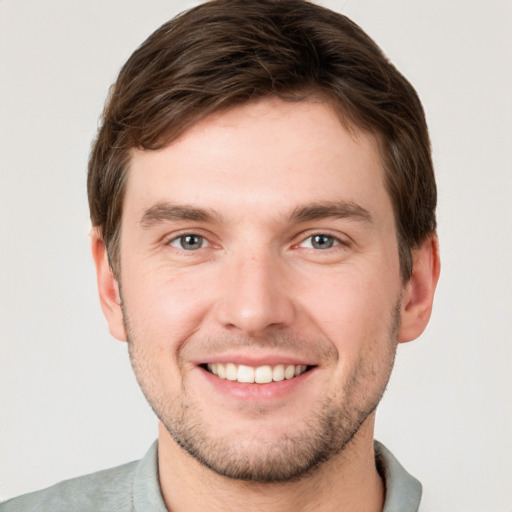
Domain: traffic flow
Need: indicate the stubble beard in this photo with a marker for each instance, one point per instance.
(325, 434)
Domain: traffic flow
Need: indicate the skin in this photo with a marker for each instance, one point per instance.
(256, 184)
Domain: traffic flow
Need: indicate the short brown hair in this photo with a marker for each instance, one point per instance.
(225, 53)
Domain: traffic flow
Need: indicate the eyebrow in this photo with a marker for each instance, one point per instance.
(168, 212)
(343, 210)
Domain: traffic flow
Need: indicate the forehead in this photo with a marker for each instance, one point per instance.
(264, 153)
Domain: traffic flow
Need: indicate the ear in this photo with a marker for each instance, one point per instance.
(108, 288)
(419, 291)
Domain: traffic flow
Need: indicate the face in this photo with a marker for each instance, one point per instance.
(260, 287)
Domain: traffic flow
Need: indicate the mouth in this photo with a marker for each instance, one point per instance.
(263, 374)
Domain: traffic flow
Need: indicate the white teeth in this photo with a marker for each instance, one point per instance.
(299, 369)
(289, 372)
(245, 374)
(221, 371)
(231, 371)
(261, 374)
(278, 372)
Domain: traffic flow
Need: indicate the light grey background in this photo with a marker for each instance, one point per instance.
(68, 401)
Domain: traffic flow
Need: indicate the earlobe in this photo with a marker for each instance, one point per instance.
(108, 288)
(419, 291)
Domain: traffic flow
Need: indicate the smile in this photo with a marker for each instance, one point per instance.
(259, 375)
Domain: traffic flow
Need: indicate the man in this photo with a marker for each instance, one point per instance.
(263, 207)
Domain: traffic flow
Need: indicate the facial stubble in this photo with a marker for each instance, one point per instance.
(327, 431)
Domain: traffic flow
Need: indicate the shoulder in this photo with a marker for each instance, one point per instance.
(106, 490)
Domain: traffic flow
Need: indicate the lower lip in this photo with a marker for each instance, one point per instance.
(257, 392)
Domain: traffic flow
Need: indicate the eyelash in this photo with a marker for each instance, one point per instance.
(180, 239)
(331, 242)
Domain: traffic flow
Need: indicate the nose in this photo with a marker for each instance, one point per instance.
(254, 296)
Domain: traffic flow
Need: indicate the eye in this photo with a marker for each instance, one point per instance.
(189, 242)
(320, 241)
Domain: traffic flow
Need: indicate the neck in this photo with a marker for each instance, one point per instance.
(348, 481)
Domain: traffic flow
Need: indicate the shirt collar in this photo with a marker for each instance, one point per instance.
(403, 491)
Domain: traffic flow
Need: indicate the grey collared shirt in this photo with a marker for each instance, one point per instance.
(134, 487)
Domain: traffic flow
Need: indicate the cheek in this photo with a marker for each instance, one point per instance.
(353, 309)
(159, 315)
(163, 310)
(360, 323)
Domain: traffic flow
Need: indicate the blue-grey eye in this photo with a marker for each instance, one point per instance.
(320, 242)
(188, 242)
